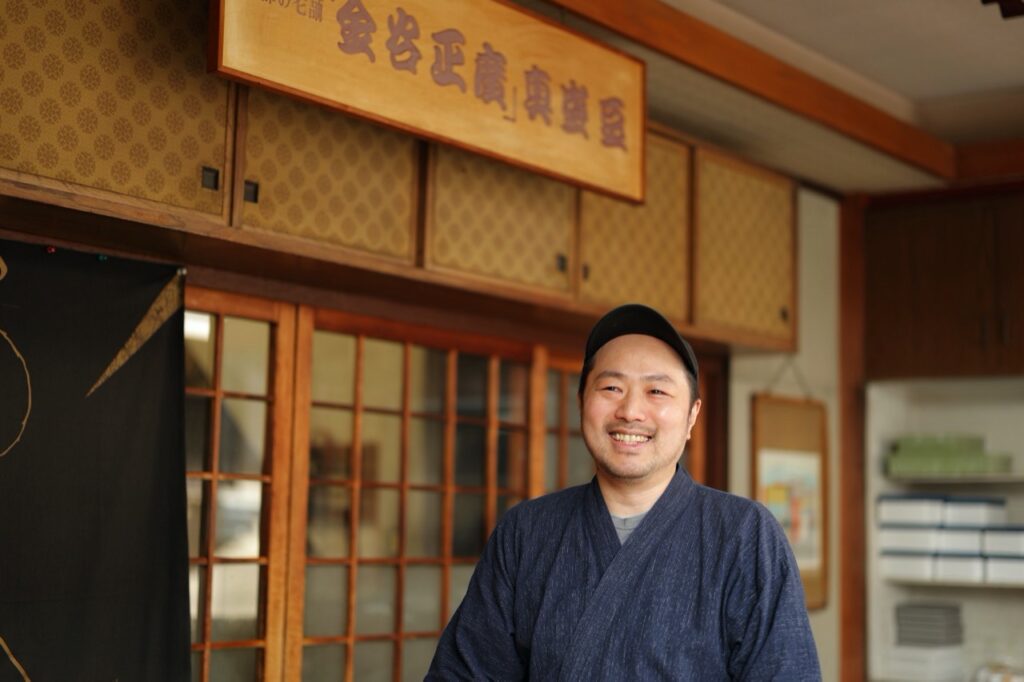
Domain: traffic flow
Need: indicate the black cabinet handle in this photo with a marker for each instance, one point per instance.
(784, 314)
(561, 262)
(251, 191)
(586, 271)
(210, 178)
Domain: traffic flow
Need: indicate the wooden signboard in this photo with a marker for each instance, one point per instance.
(479, 74)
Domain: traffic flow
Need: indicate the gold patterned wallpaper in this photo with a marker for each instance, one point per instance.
(745, 247)
(113, 95)
(329, 177)
(488, 218)
(640, 253)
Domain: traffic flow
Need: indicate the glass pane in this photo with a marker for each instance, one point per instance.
(423, 524)
(551, 404)
(468, 530)
(470, 454)
(330, 443)
(197, 433)
(329, 521)
(427, 374)
(426, 451)
(382, 447)
(197, 493)
(551, 462)
(382, 374)
(324, 663)
(416, 657)
(197, 666)
(334, 366)
(326, 611)
(199, 332)
(581, 465)
(374, 661)
(512, 459)
(375, 599)
(458, 581)
(472, 386)
(234, 665)
(514, 388)
(572, 385)
(422, 599)
(235, 602)
(378, 523)
(196, 599)
(243, 429)
(246, 356)
(238, 518)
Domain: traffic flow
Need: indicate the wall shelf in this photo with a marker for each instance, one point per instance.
(953, 583)
(971, 479)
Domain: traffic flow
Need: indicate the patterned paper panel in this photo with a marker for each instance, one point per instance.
(745, 247)
(490, 219)
(328, 177)
(113, 95)
(483, 74)
(640, 253)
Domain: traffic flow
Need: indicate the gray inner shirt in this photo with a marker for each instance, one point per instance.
(625, 525)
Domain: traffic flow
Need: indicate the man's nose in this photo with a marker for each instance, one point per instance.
(630, 408)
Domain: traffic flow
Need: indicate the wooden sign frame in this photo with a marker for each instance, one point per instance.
(789, 475)
(485, 75)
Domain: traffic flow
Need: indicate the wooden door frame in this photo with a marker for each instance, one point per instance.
(281, 316)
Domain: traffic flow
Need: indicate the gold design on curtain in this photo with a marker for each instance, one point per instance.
(164, 305)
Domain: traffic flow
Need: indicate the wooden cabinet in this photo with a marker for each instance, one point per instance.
(113, 100)
(943, 288)
(640, 252)
(744, 253)
(485, 218)
(1008, 223)
(328, 178)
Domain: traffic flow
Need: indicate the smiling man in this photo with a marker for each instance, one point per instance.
(642, 574)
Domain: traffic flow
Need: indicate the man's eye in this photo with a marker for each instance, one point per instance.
(609, 388)
(658, 391)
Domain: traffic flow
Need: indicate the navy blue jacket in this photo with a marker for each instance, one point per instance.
(706, 588)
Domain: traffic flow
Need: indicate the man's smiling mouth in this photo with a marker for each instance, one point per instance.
(630, 438)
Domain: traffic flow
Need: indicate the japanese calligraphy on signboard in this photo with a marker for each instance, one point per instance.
(476, 73)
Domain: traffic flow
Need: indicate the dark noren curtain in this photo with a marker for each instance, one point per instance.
(93, 548)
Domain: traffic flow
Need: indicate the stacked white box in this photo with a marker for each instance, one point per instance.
(1004, 570)
(1005, 541)
(917, 510)
(974, 511)
(902, 538)
(967, 568)
(907, 565)
(960, 540)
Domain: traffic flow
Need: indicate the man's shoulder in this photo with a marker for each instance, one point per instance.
(552, 508)
(558, 500)
(729, 508)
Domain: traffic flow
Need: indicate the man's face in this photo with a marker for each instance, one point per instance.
(636, 410)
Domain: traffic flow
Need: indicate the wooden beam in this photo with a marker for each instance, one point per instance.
(852, 553)
(662, 28)
(987, 161)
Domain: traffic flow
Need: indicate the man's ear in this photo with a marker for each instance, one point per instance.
(692, 419)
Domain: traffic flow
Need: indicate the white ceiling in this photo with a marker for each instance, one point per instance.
(951, 67)
(954, 68)
(922, 49)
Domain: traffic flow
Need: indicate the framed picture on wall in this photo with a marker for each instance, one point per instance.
(789, 471)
